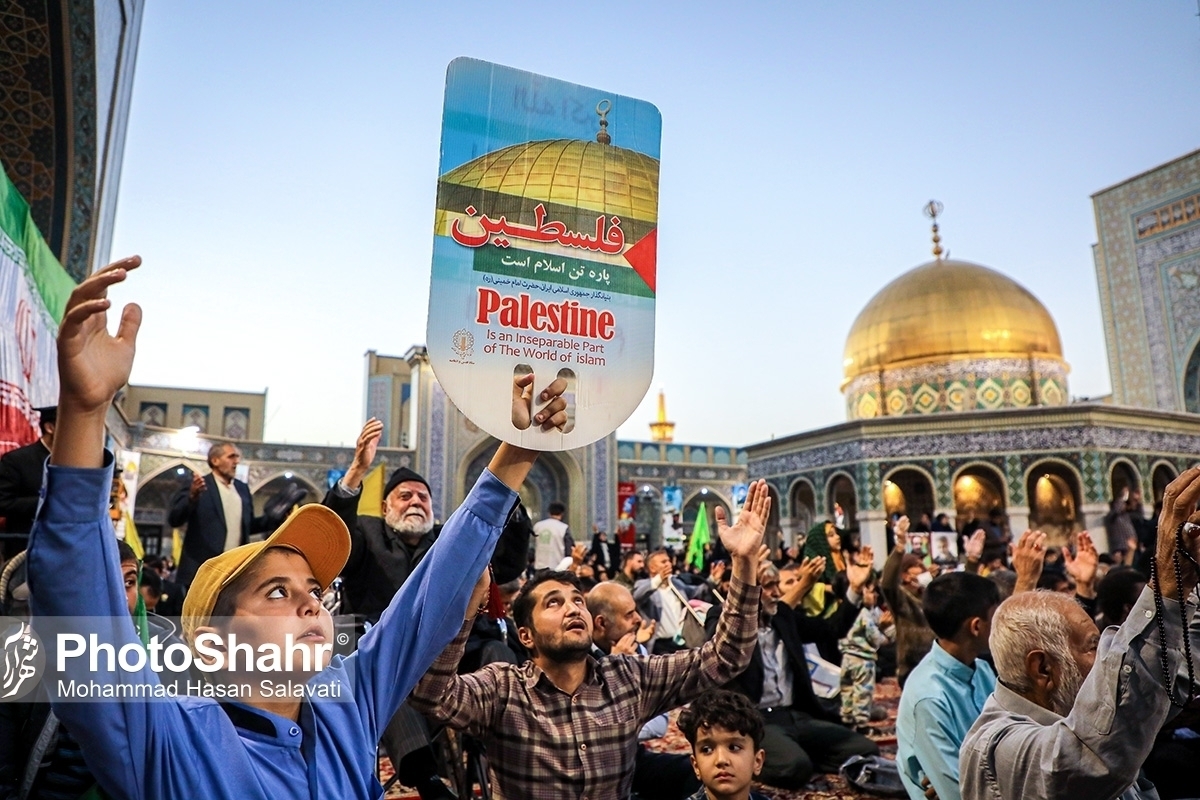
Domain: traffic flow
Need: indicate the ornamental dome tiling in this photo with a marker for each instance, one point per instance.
(952, 336)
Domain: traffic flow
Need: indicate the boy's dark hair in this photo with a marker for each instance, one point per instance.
(722, 709)
(152, 581)
(952, 599)
(125, 552)
(557, 509)
(522, 605)
(1116, 590)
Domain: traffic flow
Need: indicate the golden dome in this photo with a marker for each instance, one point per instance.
(595, 177)
(947, 311)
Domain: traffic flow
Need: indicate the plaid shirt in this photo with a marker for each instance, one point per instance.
(544, 744)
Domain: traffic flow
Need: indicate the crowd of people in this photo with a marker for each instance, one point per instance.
(1026, 671)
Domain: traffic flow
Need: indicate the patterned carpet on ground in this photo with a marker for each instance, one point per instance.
(822, 787)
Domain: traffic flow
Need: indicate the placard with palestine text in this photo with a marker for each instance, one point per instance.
(544, 254)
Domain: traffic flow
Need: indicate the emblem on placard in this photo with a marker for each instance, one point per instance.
(463, 345)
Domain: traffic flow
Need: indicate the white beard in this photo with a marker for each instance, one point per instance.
(1063, 698)
(408, 524)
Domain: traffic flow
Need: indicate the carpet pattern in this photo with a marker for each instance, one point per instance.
(822, 787)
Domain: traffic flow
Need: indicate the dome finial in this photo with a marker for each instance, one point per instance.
(932, 209)
(602, 108)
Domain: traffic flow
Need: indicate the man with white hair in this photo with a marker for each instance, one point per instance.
(1075, 714)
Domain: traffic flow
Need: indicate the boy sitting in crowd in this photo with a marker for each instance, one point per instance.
(726, 733)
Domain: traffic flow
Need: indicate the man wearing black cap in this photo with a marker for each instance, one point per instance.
(384, 551)
(21, 481)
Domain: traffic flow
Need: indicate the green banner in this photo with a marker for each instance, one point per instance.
(584, 275)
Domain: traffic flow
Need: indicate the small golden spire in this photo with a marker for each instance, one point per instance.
(662, 430)
(932, 209)
(602, 108)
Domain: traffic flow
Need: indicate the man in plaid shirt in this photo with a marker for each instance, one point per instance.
(565, 724)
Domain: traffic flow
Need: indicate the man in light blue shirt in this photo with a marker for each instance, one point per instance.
(945, 693)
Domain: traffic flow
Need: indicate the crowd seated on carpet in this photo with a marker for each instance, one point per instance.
(1027, 671)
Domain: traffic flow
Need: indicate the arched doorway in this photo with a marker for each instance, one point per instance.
(691, 511)
(1160, 479)
(1191, 382)
(1123, 477)
(278, 496)
(647, 518)
(1054, 500)
(803, 506)
(773, 536)
(840, 493)
(909, 491)
(154, 504)
(978, 492)
(547, 483)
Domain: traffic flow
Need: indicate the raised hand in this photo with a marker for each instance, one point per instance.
(1082, 566)
(554, 415)
(900, 529)
(1028, 558)
(364, 454)
(859, 570)
(811, 570)
(367, 444)
(646, 631)
(578, 554)
(198, 486)
(744, 539)
(92, 365)
(717, 571)
(1179, 509)
(974, 545)
(626, 645)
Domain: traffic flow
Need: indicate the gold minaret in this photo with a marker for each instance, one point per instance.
(661, 430)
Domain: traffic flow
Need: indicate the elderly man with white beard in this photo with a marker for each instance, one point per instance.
(1075, 713)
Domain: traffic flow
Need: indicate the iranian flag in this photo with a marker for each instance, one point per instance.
(33, 293)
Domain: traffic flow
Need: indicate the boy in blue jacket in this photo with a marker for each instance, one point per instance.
(260, 746)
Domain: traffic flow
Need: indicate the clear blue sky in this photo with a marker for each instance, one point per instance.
(281, 166)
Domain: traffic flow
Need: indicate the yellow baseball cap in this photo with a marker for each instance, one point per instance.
(312, 530)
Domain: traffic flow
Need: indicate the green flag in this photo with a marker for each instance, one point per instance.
(700, 537)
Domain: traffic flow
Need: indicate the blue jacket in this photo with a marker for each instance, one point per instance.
(195, 747)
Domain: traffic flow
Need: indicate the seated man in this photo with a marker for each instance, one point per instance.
(1075, 714)
(802, 735)
(320, 739)
(566, 724)
(947, 690)
(663, 599)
